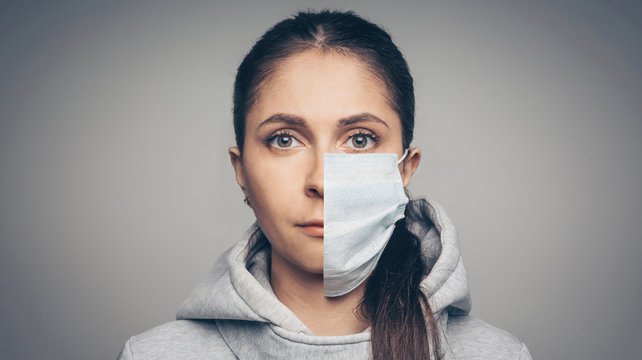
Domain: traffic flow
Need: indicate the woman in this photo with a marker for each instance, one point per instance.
(315, 98)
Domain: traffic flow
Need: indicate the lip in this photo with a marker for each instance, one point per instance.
(312, 228)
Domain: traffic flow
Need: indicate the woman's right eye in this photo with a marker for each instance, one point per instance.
(283, 140)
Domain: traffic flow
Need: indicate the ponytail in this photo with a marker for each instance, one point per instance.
(401, 320)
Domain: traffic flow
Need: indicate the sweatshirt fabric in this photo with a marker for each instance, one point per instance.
(233, 312)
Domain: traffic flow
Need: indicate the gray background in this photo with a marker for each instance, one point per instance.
(116, 193)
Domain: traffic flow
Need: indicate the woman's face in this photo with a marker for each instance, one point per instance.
(313, 104)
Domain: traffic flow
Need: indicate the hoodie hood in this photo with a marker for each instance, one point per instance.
(446, 284)
(236, 289)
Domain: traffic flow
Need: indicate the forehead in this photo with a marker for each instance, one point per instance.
(322, 85)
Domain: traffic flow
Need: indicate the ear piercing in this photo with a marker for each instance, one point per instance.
(247, 201)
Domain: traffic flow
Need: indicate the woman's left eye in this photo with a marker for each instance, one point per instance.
(361, 141)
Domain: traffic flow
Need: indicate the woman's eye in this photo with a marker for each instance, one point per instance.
(284, 141)
(361, 141)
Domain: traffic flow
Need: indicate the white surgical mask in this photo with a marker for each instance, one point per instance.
(363, 198)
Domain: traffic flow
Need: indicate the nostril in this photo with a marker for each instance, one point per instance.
(314, 191)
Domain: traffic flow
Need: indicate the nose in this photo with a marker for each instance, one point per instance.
(314, 180)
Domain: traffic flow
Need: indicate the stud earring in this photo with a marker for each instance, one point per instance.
(247, 201)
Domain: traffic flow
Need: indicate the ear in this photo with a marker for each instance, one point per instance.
(409, 165)
(237, 163)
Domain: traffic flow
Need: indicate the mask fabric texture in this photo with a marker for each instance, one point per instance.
(363, 198)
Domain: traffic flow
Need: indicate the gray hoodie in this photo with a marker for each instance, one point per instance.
(233, 312)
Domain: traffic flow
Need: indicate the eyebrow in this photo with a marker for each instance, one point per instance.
(283, 118)
(363, 117)
(298, 121)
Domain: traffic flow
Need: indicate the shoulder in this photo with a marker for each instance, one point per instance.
(469, 337)
(182, 339)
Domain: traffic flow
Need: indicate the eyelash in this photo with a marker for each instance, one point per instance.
(371, 136)
(271, 138)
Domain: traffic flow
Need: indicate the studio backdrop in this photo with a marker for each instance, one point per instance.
(117, 195)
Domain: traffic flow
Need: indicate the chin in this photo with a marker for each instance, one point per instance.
(317, 270)
(312, 267)
(305, 260)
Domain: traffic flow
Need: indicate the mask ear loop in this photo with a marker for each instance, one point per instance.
(405, 153)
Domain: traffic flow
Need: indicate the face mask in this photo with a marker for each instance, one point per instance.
(363, 198)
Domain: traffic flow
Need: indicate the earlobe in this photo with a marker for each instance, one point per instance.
(410, 164)
(237, 163)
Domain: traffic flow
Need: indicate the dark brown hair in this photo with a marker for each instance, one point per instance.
(402, 323)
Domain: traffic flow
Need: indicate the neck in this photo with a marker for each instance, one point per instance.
(302, 293)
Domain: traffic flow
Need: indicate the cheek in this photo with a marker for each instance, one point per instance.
(271, 186)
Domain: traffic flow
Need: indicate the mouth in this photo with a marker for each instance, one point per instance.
(312, 228)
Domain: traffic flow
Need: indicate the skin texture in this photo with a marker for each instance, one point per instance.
(315, 103)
